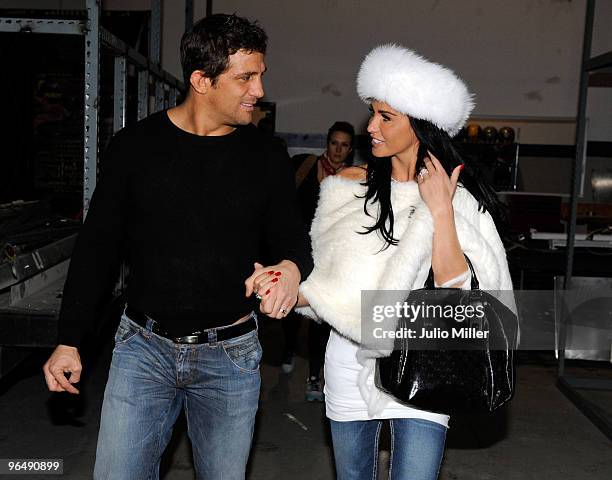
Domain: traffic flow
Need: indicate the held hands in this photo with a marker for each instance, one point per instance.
(64, 359)
(436, 188)
(276, 286)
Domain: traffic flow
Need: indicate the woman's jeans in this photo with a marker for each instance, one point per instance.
(417, 447)
(152, 379)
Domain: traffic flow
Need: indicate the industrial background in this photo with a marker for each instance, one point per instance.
(76, 71)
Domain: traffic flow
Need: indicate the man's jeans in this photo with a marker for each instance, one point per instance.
(417, 447)
(151, 379)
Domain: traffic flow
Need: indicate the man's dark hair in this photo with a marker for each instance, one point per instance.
(208, 44)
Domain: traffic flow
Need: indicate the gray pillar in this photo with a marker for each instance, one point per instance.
(119, 93)
(143, 94)
(91, 92)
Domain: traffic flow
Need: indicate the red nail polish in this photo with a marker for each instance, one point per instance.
(277, 274)
(462, 166)
(267, 291)
(271, 272)
(275, 280)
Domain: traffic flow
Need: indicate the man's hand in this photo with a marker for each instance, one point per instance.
(277, 285)
(64, 359)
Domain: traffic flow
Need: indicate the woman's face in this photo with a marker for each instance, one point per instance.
(390, 130)
(338, 147)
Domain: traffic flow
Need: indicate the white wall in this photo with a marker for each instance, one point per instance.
(521, 58)
(173, 27)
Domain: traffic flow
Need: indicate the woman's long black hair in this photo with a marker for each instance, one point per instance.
(439, 143)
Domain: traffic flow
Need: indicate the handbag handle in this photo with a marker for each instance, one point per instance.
(430, 285)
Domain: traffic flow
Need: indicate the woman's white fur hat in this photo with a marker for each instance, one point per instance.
(415, 86)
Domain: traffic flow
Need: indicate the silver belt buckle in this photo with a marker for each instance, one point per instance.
(187, 339)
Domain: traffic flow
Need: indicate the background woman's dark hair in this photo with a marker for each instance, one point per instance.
(439, 143)
(208, 44)
(347, 128)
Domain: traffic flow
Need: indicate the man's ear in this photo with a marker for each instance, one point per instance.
(200, 82)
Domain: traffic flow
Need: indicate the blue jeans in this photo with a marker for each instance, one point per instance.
(417, 447)
(152, 379)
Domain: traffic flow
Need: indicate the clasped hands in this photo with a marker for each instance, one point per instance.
(276, 286)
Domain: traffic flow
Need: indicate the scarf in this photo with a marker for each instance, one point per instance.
(328, 168)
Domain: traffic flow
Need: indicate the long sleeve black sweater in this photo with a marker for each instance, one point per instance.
(190, 214)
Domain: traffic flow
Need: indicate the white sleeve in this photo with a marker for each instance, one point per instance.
(464, 280)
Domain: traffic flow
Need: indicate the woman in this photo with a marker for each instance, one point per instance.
(383, 228)
(310, 171)
(403, 215)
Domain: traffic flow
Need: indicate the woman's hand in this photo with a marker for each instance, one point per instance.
(276, 286)
(437, 191)
(436, 188)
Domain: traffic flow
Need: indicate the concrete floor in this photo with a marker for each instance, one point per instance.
(540, 435)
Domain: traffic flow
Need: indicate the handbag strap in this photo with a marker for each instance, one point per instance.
(430, 284)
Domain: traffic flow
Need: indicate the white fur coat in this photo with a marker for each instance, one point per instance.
(346, 262)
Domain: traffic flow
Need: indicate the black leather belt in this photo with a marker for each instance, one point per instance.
(223, 333)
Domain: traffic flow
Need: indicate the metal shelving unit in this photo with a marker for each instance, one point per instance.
(30, 318)
(571, 385)
(95, 37)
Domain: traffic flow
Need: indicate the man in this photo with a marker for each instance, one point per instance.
(191, 197)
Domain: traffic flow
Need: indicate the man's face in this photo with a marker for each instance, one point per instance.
(231, 99)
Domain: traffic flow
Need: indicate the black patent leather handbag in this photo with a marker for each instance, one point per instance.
(475, 375)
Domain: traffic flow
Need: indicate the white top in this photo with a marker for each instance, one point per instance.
(343, 401)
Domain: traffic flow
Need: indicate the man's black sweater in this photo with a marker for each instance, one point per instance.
(190, 214)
